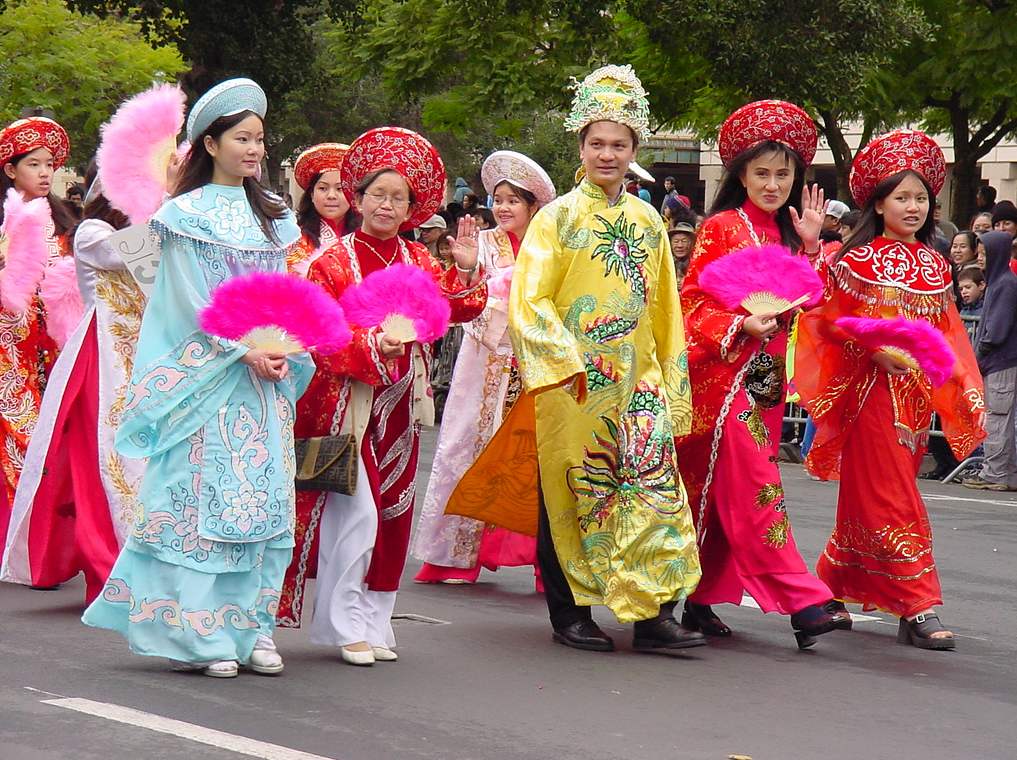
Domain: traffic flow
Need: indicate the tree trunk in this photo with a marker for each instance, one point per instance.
(841, 153)
(966, 179)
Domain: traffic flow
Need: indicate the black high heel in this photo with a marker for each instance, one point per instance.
(701, 617)
(813, 621)
(918, 633)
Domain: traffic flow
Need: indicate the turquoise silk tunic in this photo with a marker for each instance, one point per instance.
(200, 575)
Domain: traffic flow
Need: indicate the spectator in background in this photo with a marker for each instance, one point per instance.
(996, 349)
(849, 221)
(484, 218)
(946, 228)
(671, 191)
(964, 249)
(682, 237)
(453, 212)
(971, 284)
(430, 232)
(835, 212)
(470, 202)
(985, 199)
(74, 200)
(982, 222)
(644, 191)
(460, 191)
(1004, 218)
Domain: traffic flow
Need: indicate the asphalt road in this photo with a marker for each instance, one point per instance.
(485, 681)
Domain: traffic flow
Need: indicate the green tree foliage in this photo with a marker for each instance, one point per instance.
(822, 54)
(78, 66)
(270, 41)
(961, 82)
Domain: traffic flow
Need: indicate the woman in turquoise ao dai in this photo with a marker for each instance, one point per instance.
(199, 578)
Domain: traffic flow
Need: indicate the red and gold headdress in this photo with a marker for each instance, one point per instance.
(892, 153)
(405, 152)
(775, 120)
(318, 159)
(25, 135)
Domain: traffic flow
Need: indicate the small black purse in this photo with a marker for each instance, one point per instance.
(328, 463)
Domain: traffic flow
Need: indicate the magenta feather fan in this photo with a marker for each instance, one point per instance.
(761, 280)
(913, 342)
(62, 298)
(276, 312)
(135, 150)
(24, 249)
(403, 300)
(500, 286)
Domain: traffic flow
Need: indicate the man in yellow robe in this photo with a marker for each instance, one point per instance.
(596, 326)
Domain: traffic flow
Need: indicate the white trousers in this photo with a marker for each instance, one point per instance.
(345, 611)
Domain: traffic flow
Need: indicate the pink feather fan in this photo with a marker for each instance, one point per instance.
(276, 312)
(403, 300)
(762, 280)
(135, 150)
(24, 250)
(500, 286)
(62, 298)
(913, 342)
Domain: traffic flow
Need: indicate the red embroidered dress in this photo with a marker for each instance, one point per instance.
(728, 461)
(872, 427)
(27, 353)
(399, 400)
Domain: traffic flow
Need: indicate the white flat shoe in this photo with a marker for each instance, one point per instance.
(222, 669)
(265, 662)
(384, 654)
(356, 658)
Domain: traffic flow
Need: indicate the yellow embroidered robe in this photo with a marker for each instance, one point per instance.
(594, 294)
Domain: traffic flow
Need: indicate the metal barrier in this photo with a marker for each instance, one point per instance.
(797, 416)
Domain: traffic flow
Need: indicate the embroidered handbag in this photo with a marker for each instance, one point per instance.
(328, 463)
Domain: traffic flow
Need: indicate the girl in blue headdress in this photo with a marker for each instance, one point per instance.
(198, 580)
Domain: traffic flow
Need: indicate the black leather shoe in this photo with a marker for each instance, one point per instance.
(701, 617)
(664, 635)
(584, 634)
(815, 620)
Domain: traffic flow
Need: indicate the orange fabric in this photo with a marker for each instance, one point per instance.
(833, 374)
(502, 487)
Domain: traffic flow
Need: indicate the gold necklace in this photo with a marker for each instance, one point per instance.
(382, 259)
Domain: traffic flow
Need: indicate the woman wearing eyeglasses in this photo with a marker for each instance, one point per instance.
(376, 389)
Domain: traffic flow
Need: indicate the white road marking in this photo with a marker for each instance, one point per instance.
(748, 601)
(200, 734)
(943, 497)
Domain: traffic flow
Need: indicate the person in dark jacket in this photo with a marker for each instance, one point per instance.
(996, 348)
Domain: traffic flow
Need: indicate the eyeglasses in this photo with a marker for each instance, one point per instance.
(397, 201)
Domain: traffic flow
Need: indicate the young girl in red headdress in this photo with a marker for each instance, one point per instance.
(31, 151)
(323, 213)
(872, 412)
(736, 364)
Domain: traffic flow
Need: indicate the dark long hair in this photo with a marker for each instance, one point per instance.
(310, 220)
(99, 207)
(63, 219)
(870, 225)
(199, 167)
(731, 194)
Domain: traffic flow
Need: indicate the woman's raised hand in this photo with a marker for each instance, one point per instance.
(464, 245)
(809, 223)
